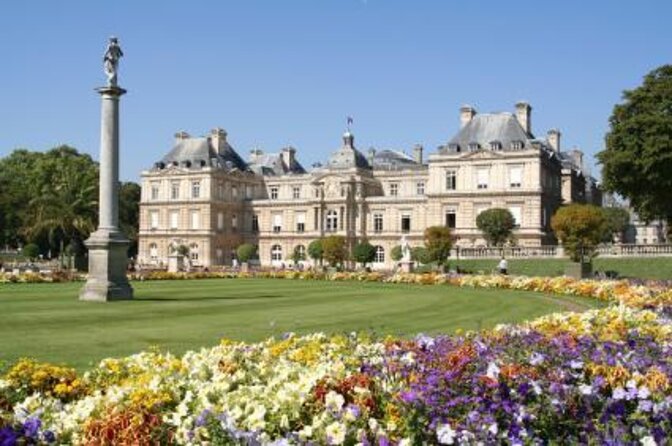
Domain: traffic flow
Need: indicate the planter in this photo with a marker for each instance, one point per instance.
(579, 270)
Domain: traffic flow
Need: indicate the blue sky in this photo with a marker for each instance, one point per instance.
(277, 73)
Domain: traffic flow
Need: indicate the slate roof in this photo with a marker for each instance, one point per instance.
(348, 156)
(270, 164)
(198, 152)
(392, 160)
(490, 127)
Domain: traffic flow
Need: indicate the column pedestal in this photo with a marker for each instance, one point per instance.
(108, 260)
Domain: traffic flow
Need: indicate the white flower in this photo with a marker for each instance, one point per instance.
(445, 434)
(405, 442)
(305, 433)
(618, 393)
(334, 401)
(493, 429)
(576, 365)
(648, 441)
(493, 371)
(586, 389)
(643, 393)
(536, 358)
(335, 433)
(373, 425)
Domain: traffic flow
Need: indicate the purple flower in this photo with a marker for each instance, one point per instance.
(31, 427)
(8, 437)
(49, 436)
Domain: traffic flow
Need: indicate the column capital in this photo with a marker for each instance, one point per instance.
(111, 91)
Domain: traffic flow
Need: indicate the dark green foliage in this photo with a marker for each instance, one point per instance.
(396, 253)
(364, 253)
(421, 255)
(246, 252)
(580, 228)
(438, 242)
(637, 160)
(315, 250)
(335, 251)
(31, 251)
(497, 225)
(617, 221)
(129, 214)
(297, 255)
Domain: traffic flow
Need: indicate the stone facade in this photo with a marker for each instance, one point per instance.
(203, 195)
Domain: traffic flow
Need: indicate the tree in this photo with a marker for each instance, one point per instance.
(617, 221)
(438, 241)
(246, 252)
(316, 251)
(129, 214)
(364, 253)
(298, 255)
(497, 225)
(637, 160)
(580, 228)
(31, 251)
(396, 254)
(420, 254)
(335, 251)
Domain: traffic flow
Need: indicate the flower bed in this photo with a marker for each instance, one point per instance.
(600, 376)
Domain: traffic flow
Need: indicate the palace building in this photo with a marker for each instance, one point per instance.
(203, 195)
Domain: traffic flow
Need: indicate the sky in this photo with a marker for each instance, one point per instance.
(278, 73)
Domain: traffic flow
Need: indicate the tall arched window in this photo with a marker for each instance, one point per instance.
(276, 253)
(193, 251)
(332, 221)
(153, 251)
(300, 250)
(380, 255)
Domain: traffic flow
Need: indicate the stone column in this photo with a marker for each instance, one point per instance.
(108, 246)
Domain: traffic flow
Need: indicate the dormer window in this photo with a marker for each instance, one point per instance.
(517, 145)
(474, 146)
(454, 147)
(495, 145)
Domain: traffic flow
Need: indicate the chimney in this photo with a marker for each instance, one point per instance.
(577, 158)
(181, 135)
(524, 116)
(218, 138)
(417, 153)
(467, 113)
(553, 138)
(372, 155)
(255, 154)
(287, 155)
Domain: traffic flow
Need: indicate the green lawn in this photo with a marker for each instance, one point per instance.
(46, 321)
(640, 267)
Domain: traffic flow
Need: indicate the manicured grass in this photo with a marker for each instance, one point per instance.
(47, 322)
(641, 267)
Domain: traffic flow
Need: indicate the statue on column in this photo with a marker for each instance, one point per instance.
(111, 61)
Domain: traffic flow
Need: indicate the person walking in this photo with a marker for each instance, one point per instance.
(503, 266)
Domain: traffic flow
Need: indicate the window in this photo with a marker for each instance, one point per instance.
(153, 251)
(248, 192)
(219, 253)
(495, 145)
(451, 179)
(474, 146)
(255, 223)
(155, 191)
(174, 219)
(517, 145)
(276, 253)
(300, 251)
(277, 222)
(300, 221)
(195, 220)
(482, 177)
(394, 189)
(420, 188)
(380, 255)
(220, 220)
(451, 219)
(543, 217)
(234, 222)
(296, 192)
(154, 219)
(174, 190)
(378, 222)
(193, 252)
(195, 189)
(274, 193)
(517, 215)
(515, 176)
(234, 191)
(220, 190)
(405, 223)
(332, 221)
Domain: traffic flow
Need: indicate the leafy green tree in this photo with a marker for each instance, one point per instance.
(335, 250)
(298, 255)
(580, 228)
(129, 214)
(438, 241)
(617, 221)
(316, 251)
(420, 254)
(364, 253)
(31, 251)
(246, 252)
(497, 225)
(637, 160)
(396, 254)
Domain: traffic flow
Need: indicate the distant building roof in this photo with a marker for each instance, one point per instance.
(486, 129)
(348, 156)
(199, 152)
(392, 160)
(271, 164)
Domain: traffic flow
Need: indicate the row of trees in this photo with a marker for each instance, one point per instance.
(49, 202)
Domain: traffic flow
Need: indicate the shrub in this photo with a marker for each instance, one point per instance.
(438, 242)
(364, 253)
(31, 251)
(245, 252)
(315, 250)
(580, 228)
(335, 251)
(396, 254)
(497, 225)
